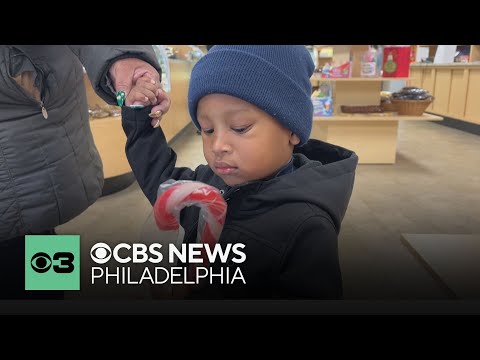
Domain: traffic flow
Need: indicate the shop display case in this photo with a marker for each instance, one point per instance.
(373, 136)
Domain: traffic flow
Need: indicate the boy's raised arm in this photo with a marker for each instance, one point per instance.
(149, 155)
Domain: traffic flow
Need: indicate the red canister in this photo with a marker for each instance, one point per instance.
(396, 61)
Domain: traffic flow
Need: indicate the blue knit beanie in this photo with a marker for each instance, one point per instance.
(274, 78)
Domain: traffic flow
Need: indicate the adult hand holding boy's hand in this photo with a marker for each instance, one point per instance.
(126, 72)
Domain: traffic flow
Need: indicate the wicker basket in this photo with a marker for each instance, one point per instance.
(388, 107)
(411, 107)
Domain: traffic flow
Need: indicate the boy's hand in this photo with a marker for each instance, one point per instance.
(159, 110)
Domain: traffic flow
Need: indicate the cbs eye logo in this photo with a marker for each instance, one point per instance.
(100, 253)
(41, 262)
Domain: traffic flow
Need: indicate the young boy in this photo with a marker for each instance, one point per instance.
(286, 194)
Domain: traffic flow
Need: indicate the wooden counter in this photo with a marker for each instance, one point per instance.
(456, 88)
(110, 138)
(178, 117)
(110, 141)
(372, 137)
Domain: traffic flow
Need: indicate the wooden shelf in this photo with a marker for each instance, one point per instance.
(318, 78)
(376, 117)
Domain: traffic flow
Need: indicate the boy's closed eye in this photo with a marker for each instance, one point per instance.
(242, 129)
(239, 130)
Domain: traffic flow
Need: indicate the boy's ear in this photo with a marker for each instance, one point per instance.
(294, 139)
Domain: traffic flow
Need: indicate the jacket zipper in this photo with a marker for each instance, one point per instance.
(44, 110)
(28, 96)
(227, 194)
(42, 104)
(32, 99)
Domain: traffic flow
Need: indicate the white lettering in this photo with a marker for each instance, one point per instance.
(177, 275)
(146, 275)
(217, 250)
(194, 252)
(117, 256)
(95, 268)
(240, 253)
(159, 257)
(173, 273)
(140, 249)
(173, 251)
(167, 275)
(240, 275)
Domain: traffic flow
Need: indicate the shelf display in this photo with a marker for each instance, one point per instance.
(396, 61)
(366, 129)
(322, 100)
(336, 71)
(369, 64)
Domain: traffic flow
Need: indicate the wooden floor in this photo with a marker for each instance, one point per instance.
(434, 188)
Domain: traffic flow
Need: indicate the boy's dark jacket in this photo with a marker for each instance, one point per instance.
(289, 224)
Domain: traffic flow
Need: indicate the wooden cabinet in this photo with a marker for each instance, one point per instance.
(456, 88)
(109, 137)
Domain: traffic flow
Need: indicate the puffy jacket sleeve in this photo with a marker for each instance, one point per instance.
(150, 157)
(97, 60)
(311, 266)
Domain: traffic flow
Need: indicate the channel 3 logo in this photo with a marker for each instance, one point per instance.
(41, 262)
(52, 262)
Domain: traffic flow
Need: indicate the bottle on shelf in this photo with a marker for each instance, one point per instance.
(369, 63)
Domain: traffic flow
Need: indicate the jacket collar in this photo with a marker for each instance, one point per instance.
(286, 169)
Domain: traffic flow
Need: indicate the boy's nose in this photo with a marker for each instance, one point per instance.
(220, 144)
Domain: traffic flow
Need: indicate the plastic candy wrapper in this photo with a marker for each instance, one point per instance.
(176, 195)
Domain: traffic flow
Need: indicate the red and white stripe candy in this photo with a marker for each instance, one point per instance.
(176, 195)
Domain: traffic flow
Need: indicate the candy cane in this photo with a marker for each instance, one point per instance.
(176, 195)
